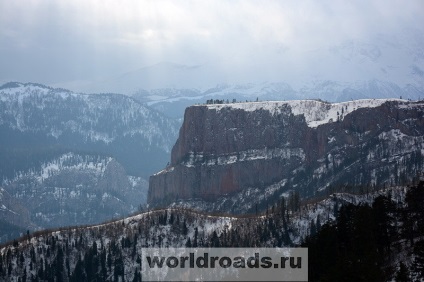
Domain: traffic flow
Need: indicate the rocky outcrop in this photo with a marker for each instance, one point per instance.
(274, 147)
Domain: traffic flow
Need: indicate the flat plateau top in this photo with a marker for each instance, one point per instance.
(316, 112)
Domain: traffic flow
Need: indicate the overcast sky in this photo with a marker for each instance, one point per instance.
(51, 41)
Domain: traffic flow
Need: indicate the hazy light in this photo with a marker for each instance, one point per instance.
(52, 41)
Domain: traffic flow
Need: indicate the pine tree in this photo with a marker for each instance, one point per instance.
(215, 240)
(419, 258)
(59, 264)
(184, 228)
(137, 276)
(78, 274)
(103, 263)
(412, 215)
(196, 233)
(313, 228)
(171, 218)
(318, 223)
(109, 260)
(402, 275)
(119, 269)
(383, 208)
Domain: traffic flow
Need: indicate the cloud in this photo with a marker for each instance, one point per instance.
(58, 40)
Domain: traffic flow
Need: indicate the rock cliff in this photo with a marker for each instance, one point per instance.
(254, 153)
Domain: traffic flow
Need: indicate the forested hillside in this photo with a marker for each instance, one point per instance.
(379, 242)
(372, 232)
(69, 158)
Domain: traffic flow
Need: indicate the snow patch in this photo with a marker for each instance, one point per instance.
(315, 112)
(248, 155)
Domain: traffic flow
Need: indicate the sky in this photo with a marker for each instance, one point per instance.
(59, 41)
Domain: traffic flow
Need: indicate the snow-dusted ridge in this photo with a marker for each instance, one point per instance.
(121, 241)
(105, 118)
(68, 161)
(316, 112)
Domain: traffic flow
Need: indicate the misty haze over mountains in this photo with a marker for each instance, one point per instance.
(140, 124)
(394, 58)
(380, 66)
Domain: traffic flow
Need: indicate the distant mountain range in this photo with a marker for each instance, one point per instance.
(380, 66)
(172, 101)
(390, 60)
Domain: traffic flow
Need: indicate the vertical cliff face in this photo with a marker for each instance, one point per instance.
(223, 151)
(268, 148)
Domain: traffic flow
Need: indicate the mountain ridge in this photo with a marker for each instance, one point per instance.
(114, 248)
(234, 153)
(60, 115)
(395, 57)
(64, 155)
(173, 101)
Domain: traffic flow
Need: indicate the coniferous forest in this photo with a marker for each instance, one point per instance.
(380, 241)
(371, 243)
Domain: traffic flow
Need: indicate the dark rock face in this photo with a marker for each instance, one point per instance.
(307, 146)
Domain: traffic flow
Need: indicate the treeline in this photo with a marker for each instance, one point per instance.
(227, 101)
(112, 252)
(362, 244)
(378, 242)
(216, 101)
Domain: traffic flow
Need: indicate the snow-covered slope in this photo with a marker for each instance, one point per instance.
(36, 116)
(33, 107)
(68, 161)
(114, 248)
(315, 112)
(71, 190)
(69, 158)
